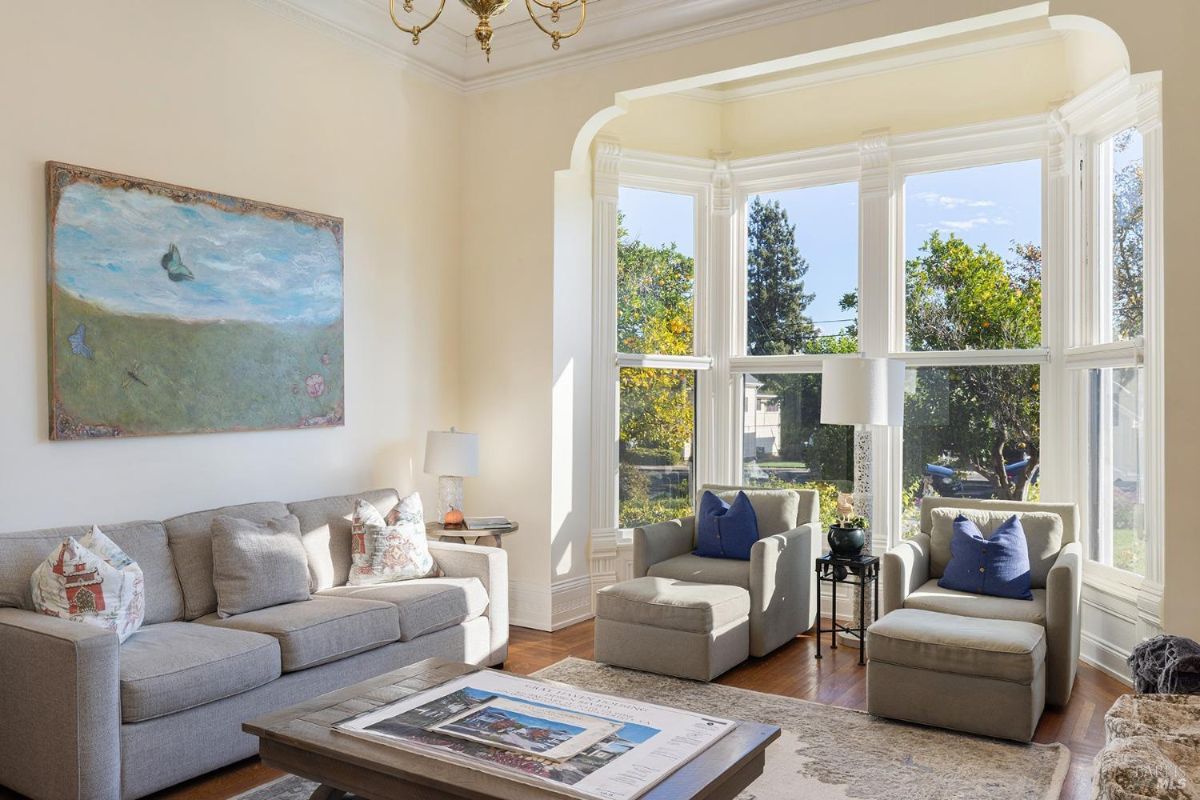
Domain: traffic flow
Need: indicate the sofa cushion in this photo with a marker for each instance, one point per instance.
(144, 542)
(1043, 535)
(190, 537)
(179, 665)
(321, 630)
(425, 605)
(325, 530)
(931, 597)
(987, 648)
(697, 569)
(776, 510)
(91, 581)
(997, 566)
(725, 530)
(676, 605)
(258, 564)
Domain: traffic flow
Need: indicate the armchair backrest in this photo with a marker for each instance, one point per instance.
(777, 510)
(1050, 526)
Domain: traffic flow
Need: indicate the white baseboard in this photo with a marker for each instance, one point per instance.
(570, 602)
(1104, 656)
(529, 604)
(545, 607)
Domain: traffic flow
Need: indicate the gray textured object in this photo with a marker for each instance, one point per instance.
(1166, 665)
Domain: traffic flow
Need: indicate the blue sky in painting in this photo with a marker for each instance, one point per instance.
(993, 205)
(109, 245)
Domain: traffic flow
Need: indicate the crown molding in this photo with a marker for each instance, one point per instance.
(615, 30)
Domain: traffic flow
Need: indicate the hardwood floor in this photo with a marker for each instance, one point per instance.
(836, 680)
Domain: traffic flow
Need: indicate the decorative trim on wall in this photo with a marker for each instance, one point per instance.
(570, 601)
(550, 608)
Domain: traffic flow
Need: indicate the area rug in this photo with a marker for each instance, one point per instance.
(824, 752)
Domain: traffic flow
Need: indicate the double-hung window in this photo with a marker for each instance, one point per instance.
(972, 330)
(658, 238)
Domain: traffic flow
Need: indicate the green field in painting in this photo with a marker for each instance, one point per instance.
(196, 376)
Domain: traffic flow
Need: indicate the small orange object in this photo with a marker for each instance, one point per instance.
(453, 517)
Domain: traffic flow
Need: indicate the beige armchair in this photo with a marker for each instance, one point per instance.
(778, 576)
(912, 568)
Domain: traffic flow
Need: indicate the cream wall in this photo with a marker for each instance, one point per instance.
(1011, 81)
(509, 260)
(224, 95)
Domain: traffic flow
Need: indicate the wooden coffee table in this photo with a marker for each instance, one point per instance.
(301, 740)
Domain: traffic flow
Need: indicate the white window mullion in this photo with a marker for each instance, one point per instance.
(606, 393)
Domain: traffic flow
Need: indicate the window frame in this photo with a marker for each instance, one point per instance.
(1088, 124)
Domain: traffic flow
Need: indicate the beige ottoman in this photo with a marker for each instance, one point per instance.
(689, 630)
(984, 676)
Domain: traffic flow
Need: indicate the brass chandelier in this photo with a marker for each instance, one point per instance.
(486, 9)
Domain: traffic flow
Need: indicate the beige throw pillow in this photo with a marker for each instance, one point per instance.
(258, 564)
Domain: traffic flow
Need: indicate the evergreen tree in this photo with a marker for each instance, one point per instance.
(776, 323)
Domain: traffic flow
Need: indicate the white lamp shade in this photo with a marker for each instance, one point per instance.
(862, 391)
(452, 453)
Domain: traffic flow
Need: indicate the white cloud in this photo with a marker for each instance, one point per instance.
(949, 201)
(965, 224)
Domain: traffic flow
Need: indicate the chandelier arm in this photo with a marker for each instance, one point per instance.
(562, 6)
(415, 30)
(556, 35)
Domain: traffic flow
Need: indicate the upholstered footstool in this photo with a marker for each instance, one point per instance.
(984, 676)
(689, 630)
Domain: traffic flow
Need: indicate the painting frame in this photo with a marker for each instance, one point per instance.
(315, 397)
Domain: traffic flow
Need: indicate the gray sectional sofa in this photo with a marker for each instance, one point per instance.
(86, 718)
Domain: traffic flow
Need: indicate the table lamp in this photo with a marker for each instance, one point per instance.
(452, 456)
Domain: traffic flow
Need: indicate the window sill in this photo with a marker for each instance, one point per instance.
(1113, 582)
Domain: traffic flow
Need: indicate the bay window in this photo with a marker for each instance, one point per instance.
(1013, 267)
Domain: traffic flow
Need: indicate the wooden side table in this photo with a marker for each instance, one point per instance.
(861, 571)
(459, 534)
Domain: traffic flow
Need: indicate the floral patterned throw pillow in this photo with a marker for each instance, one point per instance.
(91, 580)
(389, 548)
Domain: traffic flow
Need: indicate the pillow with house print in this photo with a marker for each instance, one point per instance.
(392, 547)
(91, 580)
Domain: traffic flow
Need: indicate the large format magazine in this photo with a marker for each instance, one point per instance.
(567, 740)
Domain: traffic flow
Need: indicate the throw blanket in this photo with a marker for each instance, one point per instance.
(1166, 665)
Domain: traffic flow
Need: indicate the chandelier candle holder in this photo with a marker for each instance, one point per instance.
(486, 10)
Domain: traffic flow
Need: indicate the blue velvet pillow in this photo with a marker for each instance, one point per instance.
(724, 530)
(998, 566)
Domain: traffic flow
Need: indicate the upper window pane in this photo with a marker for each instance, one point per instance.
(973, 258)
(1127, 231)
(784, 444)
(802, 271)
(970, 432)
(656, 272)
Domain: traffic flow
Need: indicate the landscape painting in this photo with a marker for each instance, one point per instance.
(173, 310)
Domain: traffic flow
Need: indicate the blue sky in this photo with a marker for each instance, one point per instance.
(992, 205)
(109, 245)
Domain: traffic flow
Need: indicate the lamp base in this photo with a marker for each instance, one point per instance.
(450, 496)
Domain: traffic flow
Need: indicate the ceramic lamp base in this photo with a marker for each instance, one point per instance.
(450, 495)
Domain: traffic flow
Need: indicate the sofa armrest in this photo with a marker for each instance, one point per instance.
(905, 569)
(1064, 587)
(490, 566)
(783, 596)
(655, 543)
(61, 708)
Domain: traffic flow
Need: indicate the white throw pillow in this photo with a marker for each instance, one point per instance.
(93, 581)
(389, 548)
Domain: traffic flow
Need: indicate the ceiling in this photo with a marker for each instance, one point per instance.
(615, 29)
